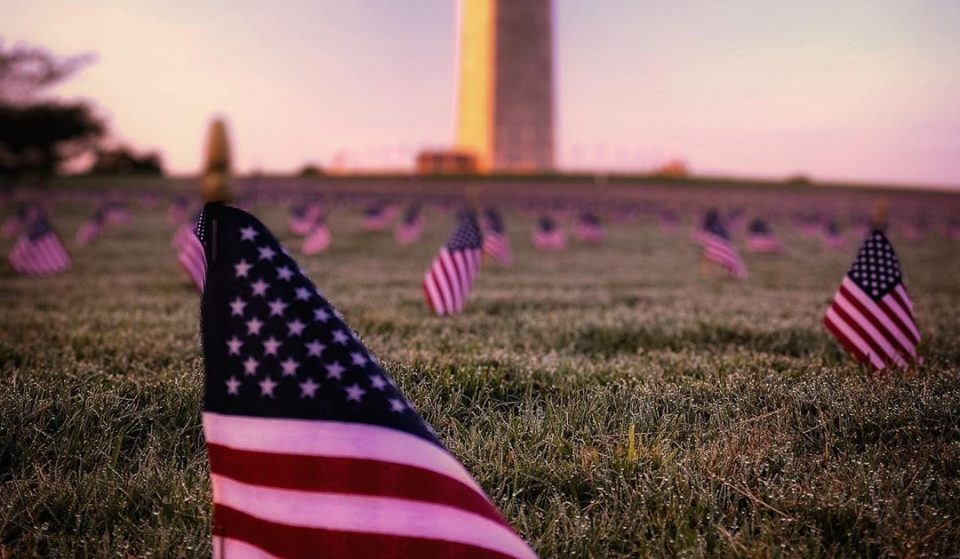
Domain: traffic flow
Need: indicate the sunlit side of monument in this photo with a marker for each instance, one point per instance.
(505, 91)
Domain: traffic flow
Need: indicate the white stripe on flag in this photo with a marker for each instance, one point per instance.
(854, 338)
(880, 315)
(368, 514)
(332, 439)
(904, 315)
(864, 323)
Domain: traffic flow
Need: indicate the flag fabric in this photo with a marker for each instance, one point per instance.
(318, 238)
(832, 238)
(410, 228)
(871, 314)
(589, 228)
(496, 244)
(760, 238)
(953, 229)
(190, 254)
(302, 218)
(449, 280)
(116, 213)
(548, 236)
(38, 250)
(376, 217)
(178, 210)
(668, 221)
(313, 449)
(91, 229)
(718, 248)
(808, 224)
(700, 234)
(14, 224)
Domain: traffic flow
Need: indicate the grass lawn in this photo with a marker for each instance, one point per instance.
(754, 435)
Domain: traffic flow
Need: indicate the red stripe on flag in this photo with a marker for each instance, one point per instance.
(347, 475)
(898, 320)
(294, 541)
(845, 341)
(858, 328)
(870, 314)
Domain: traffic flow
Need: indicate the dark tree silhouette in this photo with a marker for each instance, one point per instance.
(124, 160)
(38, 134)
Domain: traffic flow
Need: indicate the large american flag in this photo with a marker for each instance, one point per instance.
(871, 314)
(718, 249)
(190, 255)
(496, 244)
(448, 281)
(548, 235)
(314, 451)
(38, 250)
(410, 228)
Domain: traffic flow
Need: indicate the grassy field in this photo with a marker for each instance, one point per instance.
(753, 434)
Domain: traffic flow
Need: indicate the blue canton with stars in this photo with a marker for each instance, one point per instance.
(876, 270)
(713, 224)
(274, 346)
(546, 223)
(467, 234)
(494, 221)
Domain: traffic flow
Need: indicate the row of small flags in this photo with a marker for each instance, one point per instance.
(449, 280)
(312, 445)
(39, 251)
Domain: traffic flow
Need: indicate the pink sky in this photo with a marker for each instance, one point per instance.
(847, 89)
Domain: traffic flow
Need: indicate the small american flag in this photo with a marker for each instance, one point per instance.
(314, 451)
(376, 217)
(871, 314)
(953, 229)
(448, 282)
(303, 217)
(548, 236)
(117, 213)
(39, 251)
(760, 238)
(17, 220)
(410, 228)
(668, 220)
(178, 210)
(832, 238)
(496, 244)
(589, 228)
(718, 249)
(190, 255)
(91, 229)
(318, 238)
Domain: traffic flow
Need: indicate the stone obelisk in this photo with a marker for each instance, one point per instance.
(505, 93)
(215, 183)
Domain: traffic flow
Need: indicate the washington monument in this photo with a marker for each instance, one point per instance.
(505, 94)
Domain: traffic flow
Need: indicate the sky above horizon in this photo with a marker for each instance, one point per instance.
(848, 89)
